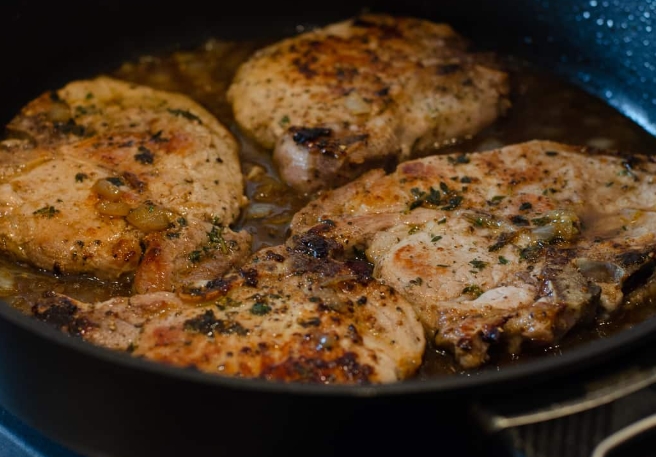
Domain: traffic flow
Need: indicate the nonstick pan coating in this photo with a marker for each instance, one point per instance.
(105, 403)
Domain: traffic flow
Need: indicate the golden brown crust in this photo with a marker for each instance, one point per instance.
(335, 101)
(507, 246)
(100, 165)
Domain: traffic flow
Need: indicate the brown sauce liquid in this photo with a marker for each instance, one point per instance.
(543, 107)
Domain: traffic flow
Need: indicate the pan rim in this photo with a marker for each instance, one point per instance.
(575, 359)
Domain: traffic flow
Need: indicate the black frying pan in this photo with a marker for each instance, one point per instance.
(105, 403)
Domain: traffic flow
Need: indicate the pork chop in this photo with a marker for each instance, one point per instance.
(507, 246)
(292, 313)
(335, 101)
(101, 174)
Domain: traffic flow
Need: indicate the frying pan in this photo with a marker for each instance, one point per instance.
(103, 403)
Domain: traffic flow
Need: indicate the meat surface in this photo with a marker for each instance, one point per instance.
(108, 178)
(504, 247)
(335, 101)
(299, 312)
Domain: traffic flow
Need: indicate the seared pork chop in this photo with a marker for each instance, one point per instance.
(505, 246)
(293, 313)
(337, 100)
(107, 178)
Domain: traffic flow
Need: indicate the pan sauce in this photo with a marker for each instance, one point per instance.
(543, 108)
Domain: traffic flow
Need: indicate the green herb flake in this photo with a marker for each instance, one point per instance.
(453, 203)
(436, 238)
(417, 192)
(185, 114)
(89, 96)
(433, 197)
(80, 177)
(417, 281)
(284, 121)
(413, 229)
(46, 211)
(260, 309)
(503, 260)
(216, 237)
(194, 256)
(478, 264)
(525, 206)
(551, 153)
(532, 253)
(473, 290)
(496, 200)
(541, 221)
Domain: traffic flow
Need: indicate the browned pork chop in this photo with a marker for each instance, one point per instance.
(506, 246)
(107, 178)
(294, 313)
(337, 100)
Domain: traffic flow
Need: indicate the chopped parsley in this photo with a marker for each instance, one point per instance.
(496, 200)
(473, 290)
(453, 203)
(525, 206)
(260, 309)
(46, 211)
(185, 113)
(503, 260)
(436, 238)
(417, 281)
(284, 121)
(478, 264)
(216, 237)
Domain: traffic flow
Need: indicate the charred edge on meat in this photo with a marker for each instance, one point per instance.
(61, 313)
(317, 370)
